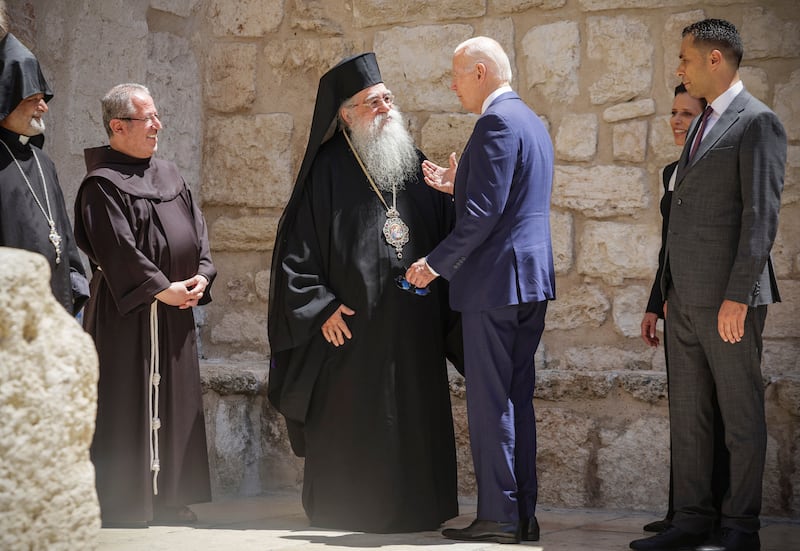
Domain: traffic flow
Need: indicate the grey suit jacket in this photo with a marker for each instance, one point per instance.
(724, 214)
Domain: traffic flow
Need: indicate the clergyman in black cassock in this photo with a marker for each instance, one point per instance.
(146, 238)
(30, 195)
(358, 363)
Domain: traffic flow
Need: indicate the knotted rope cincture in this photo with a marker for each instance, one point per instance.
(155, 379)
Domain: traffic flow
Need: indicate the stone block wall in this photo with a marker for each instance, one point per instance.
(236, 84)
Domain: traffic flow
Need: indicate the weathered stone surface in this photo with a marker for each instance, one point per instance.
(552, 58)
(630, 141)
(780, 357)
(261, 281)
(248, 233)
(230, 77)
(787, 105)
(280, 467)
(466, 473)
(444, 134)
(368, 13)
(647, 386)
(613, 251)
(316, 15)
(48, 402)
(586, 305)
(604, 358)
(782, 316)
(221, 378)
(576, 139)
(671, 44)
(287, 58)
(179, 104)
(791, 181)
(563, 459)
(756, 81)
(241, 328)
(629, 110)
(601, 191)
(627, 64)
(118, 31)
(786, 246)
(765, 34)
(662, 143)
(421, 86)
(594, 5)
(180, 8)
(631, 475)
(561, 230)
(246, 18)
(516, 6)
(793, 500)
(787, 391)
(249, 450)
(247, 160)
(628, 308)
(771, 485)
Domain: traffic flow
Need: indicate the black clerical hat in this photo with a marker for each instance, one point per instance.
(20, 75)
(344, 80)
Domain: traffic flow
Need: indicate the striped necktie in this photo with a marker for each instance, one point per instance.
(699, 136)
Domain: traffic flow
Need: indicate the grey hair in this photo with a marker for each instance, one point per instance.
(482, 49)
(117, 102)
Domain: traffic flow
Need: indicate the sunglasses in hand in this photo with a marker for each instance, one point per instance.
(403, 283)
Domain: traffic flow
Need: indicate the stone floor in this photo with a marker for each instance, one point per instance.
(276, 522)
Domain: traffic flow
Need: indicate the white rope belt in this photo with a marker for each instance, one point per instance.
(155, 379)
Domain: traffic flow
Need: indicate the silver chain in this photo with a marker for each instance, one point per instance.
(54, 237)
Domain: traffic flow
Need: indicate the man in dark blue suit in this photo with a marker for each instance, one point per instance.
(499, 262)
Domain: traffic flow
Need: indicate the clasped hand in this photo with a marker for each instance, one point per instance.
(184, 294)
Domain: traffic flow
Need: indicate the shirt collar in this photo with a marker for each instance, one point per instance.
(488, 101)
(726, 98)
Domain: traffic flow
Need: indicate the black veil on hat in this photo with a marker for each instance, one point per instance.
(20, 75)
(343, 81)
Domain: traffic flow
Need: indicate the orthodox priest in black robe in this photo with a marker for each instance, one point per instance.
(33, 215)
(358, 357)
(147, 242)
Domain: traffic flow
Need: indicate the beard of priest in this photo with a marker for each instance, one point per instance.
(382, 141)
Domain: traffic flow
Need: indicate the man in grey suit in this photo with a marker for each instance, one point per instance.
(718, 280)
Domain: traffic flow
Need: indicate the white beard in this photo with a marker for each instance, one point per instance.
(387, 150)
(36, 127)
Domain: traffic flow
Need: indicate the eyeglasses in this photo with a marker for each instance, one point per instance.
(149, 118)
(375, 102)
(403, 283)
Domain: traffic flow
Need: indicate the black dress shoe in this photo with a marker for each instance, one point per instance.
(735, 540)
(486, 530)
(671, 539)
(657, 526)
(529, 529)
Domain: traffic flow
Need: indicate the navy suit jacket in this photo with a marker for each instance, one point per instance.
(499, 252)
(724, 213)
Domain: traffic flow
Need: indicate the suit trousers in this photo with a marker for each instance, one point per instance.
(499, 346)
(701, 363)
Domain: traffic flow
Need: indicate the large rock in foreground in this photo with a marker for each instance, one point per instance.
(48, 397)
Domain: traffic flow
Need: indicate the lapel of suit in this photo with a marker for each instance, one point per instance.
(725, 122)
